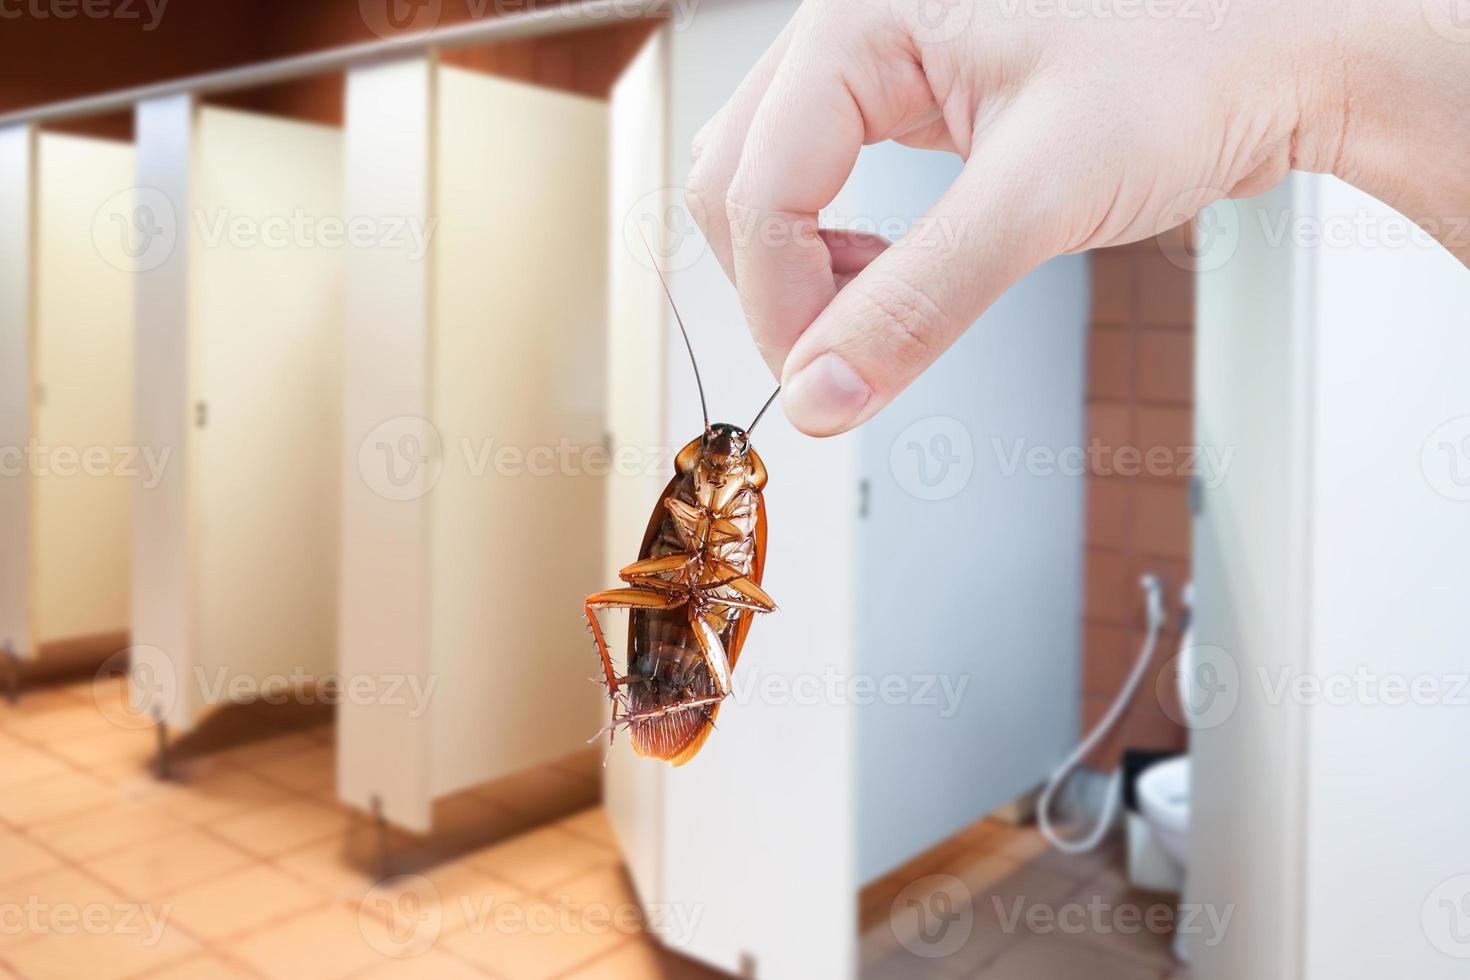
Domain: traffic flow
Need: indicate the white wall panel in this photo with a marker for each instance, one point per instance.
(163, 352)
(17, 225)
(775, 784)
(390, 458)
(1389, 540)
(1330, 570)
(83, 375)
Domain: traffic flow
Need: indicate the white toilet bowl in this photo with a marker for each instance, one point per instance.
(1163, 795)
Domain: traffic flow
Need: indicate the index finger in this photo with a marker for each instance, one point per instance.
(802, 145)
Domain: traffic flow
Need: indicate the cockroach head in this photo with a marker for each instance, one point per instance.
(723, 441)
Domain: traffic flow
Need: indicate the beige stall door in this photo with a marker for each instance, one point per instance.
(518, 343)
(83, 395)
(268, 289)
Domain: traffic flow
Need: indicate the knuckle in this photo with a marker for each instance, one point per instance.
(704, 201)
(904, 323)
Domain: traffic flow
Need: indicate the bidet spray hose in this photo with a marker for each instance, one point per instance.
(1154, 605)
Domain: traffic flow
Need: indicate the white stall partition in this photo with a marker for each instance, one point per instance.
(67, 326)
(955, 576)
(753, 842)
(470, 510)
(639, 322)
(17, 230)
(239, 377)
(1330, 574)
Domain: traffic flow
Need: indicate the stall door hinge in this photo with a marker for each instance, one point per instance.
(201, 414)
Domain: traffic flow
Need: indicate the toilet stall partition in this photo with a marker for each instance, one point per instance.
(239, 351)
(17, 262)
(473, 520)
(67, 327)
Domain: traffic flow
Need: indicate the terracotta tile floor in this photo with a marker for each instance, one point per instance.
(245, 866)
(1031, 914)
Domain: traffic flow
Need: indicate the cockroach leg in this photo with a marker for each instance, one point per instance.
(621, 599)
(665, 710)
(656, 566)
(713, 650)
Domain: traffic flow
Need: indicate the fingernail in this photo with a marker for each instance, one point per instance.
(825, 396)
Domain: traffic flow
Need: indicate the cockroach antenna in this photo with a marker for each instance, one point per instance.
(699, 383)
(751, 428)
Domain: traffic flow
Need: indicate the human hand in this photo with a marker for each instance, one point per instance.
(1077, 131)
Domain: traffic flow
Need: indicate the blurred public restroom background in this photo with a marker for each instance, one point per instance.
(335, 372)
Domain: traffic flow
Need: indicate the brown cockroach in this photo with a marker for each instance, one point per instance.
(694, 590)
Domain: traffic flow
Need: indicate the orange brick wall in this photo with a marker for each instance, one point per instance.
(1140, 399)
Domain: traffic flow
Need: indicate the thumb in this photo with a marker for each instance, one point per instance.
(1001, 218)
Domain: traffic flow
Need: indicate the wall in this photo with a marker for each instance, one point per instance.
(1140, 395)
